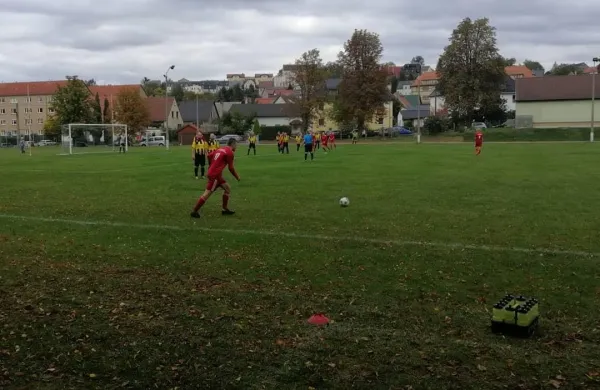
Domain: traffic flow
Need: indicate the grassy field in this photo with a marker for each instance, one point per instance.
(105, 281)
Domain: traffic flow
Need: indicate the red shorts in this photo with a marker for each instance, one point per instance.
(324, 144)
(478, 145)
(215, 182)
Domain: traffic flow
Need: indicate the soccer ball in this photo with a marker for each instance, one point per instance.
(344, 202)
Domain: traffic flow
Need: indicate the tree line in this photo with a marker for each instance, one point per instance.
(75, 103)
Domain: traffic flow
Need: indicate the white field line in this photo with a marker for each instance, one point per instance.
(252, 232)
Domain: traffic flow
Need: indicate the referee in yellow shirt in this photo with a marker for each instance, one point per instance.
(199, 152)
(252, 143)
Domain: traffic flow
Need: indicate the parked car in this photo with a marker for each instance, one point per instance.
(46, 142)
(153, 141)
(399, 130)
(479, 125)
(223, 140)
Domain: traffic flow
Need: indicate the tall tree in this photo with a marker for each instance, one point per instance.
(471, 70)
(151, 87)
(310, 78)
(90, 82)
(71, 103)
(533, 65)
(418, 60)
(237, 93)
(97, 109)
(334, 70)
(566, 69)
(106, 113)
(177, 92)
(510, 61)
(363, 90)
(131, 110)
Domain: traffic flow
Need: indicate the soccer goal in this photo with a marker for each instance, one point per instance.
(80, 138)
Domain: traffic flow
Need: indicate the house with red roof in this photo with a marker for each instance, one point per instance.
(164, 112)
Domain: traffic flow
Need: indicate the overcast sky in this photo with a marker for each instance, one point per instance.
(123, 41)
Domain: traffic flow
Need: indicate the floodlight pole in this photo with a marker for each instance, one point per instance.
(418, 68)
(596, 60)
(167, 105)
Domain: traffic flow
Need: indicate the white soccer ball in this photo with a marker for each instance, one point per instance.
(344, 202)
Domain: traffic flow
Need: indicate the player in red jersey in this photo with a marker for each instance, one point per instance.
(478, 142)
(332, 140)
(324, 139)
(219, 159)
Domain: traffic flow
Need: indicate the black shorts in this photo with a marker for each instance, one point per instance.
(200, 159)
(308, 148)
(252, 145)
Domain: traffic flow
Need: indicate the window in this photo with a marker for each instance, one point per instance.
(40, 121)
(172, 114)
(51, 110)
(13, 111)
(13, 100)
(40, 99)
(40, 110)
(14, 121)
(28, 121)
(28, 110)
(27, 100)
(3, 122)
(321, 122)
(2, 111)
(2, 100)
(177, 114)
(380, 120)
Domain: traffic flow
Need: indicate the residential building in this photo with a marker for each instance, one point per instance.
(270, 114)
(424, 85)
(246, 81)
(264, 100)
(164, 113)
(555, 101)
(436, 102)
(393, 70)
(518, 71)
(417, 115)
(508, 94)
(224, 107)
(202, 86)
(26, 105)
(408, 101)
(324, 123)
(199, 112)
(404, 88)
(285, 76)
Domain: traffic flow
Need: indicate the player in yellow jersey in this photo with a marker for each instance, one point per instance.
(199, 152)
(298, 142)
(286, 143)
(252, 143)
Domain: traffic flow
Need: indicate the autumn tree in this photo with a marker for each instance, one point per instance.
(310, 78)
(333, 70)
(510, 61)
(131, 110)
(363, 90)
(471, 71)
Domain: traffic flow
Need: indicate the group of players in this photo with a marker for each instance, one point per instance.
(218, 158)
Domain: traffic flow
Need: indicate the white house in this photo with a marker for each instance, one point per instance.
(403, 88)
(437, 101)
(268, 114)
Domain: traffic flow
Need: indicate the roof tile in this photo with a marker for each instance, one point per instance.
(35, 88)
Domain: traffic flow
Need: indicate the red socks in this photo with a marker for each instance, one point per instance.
(225, 200)
(199, 204)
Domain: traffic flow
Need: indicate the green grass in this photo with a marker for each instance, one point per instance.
(105, 282)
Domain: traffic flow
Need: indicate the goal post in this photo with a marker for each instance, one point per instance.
(82, 138)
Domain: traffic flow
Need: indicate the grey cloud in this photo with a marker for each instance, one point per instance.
(127, 40)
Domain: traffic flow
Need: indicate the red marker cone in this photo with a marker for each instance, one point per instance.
(318, 319)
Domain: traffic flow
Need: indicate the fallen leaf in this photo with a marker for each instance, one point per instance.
(560, 378)
(554, 383)
(481, 368)
(92, 375)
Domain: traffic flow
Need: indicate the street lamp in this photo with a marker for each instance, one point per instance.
(596, 60)
(167, 105)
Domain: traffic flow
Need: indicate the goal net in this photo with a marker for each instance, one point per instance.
(79, 138)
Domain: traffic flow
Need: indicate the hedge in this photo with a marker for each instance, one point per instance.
(268, 133)
(552, 134)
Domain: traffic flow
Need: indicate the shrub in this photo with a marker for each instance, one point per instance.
(436, 125)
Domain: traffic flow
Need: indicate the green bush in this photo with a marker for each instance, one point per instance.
(435, 125)
(553, 134)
